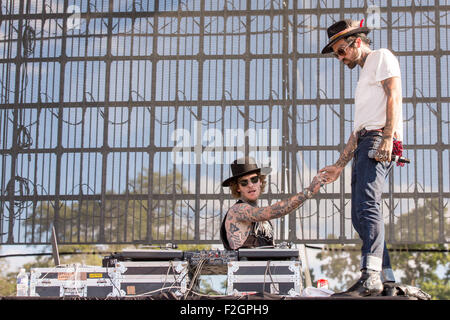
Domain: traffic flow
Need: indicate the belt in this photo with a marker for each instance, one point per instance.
(363, 132)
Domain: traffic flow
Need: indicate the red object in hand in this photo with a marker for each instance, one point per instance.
(397, 150)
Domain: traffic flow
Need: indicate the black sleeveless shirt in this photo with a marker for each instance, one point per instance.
(258, 237)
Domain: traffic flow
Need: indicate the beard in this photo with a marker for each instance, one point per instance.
(350, 64)
(353, 62)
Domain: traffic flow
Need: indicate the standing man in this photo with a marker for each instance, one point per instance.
(377, 126)
(246, 225)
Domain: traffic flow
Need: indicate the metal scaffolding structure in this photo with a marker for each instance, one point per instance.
(119, 119)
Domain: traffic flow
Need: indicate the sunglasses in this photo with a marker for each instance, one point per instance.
(342, 51)
(244, 182)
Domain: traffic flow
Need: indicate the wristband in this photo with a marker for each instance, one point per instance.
(307, 193)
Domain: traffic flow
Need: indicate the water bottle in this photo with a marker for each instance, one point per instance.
(22, 283)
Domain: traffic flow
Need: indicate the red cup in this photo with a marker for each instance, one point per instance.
(322, 283)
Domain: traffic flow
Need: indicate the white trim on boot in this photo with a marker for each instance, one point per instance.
(372, 262)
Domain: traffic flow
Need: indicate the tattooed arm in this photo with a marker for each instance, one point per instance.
(240, 217)
(332, 173)
(393, 89)
(237, 231)
(247, 213)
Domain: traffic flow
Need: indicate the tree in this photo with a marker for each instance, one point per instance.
(7, 281)
(342, 264)
(127, 218)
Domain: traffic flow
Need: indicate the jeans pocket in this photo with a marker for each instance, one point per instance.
(372, 145)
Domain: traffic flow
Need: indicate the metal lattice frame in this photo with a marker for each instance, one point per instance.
(98, 96)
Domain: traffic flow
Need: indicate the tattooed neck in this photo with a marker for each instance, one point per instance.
(252, 203)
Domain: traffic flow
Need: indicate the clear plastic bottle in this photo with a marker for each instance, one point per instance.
(22, 283)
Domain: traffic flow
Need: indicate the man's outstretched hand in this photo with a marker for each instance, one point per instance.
(330, 174)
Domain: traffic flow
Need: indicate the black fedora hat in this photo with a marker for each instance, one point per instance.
(343, 29)
(243, 166)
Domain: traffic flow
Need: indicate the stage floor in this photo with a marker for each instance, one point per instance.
(192, 297)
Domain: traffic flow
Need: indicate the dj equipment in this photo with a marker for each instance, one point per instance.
(147, 255)
(152, 277)
(277, 277)
(147, 272)
(150, 271)
(268, 254)
(211, 257)
(210, 261)
(74, 281)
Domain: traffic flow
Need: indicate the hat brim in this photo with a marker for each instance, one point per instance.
(263, 171)
(328, 48)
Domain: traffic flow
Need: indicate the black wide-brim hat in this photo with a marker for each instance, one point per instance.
(343, 29)
(243, 166)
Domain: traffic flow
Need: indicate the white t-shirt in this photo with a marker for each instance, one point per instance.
(370, 98)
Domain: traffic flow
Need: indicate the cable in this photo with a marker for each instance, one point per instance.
(198, 269)
(149, 293)
(172, 286)
(164, 283)
(196, 275)
(113, 283)
(272, 282)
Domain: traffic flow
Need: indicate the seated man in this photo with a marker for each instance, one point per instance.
(246, 225)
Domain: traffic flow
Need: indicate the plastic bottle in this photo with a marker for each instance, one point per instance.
(22, 283)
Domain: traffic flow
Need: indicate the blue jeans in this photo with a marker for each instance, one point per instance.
(368, 178)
